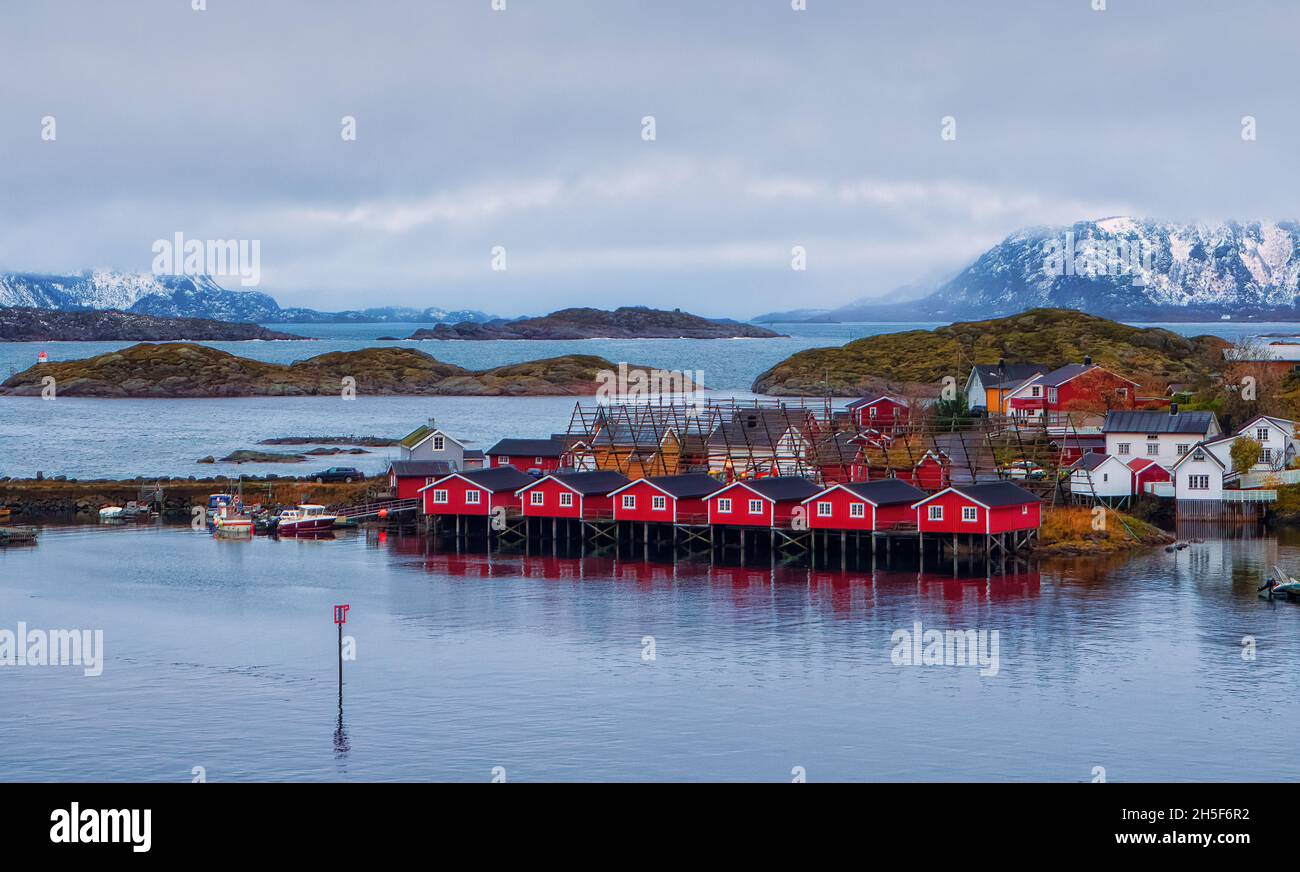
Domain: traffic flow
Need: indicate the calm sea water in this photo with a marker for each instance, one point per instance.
(87, 438)
(223, 655)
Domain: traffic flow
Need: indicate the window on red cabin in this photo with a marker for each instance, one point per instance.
(969, 514)
(440, 496)
(471, 498)
(431, 479)
(857, 510)
(659, 503)
(566, 500)
(935, 513)
(1024, 510)
(537, 460)
(536, 497)
(872, 411)
(724, 506)
(629, 501)
(756, 507)
(824, 509)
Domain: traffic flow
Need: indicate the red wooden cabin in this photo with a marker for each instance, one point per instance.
(879, 412)
(527, 455)
(1147, 471)
(406, 477)
(931, 472)
(996, 507)
(764, 502)
(665, 499)
(475, 492)
(577, 495)
(865, 505)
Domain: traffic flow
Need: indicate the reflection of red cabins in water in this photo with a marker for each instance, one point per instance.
(1012, 586)
(572, 495)
(862, 506)
(984, 509)
(476, 492)
(741, 578)
(764, 502)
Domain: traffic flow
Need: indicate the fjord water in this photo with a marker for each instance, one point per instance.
(222, 654)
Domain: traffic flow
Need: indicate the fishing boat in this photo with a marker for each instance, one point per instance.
(1280, 584)
(307, 518)
(233, 523)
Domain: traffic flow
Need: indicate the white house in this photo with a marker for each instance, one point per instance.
(1165, 437)
(1199, 474)
(427, 443)
(1277, 438)
(1101, 476)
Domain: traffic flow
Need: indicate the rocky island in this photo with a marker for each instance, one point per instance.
(182, 369)
(628, 322)
(918, 360)
(23, 324)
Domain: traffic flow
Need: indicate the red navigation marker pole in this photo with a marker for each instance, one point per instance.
(341, 618)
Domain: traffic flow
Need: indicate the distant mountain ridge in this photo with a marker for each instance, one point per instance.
(627, 322)
(175, 296)
(1125, 268)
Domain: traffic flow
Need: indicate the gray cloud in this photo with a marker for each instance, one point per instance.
(522, 128)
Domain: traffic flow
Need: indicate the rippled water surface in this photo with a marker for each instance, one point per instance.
(223, 655)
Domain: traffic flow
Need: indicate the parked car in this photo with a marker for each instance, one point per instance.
(1023, 469)
(348, 474)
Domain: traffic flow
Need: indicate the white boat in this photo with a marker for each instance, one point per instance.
(231, 523)
(307, 518)
(110, 513)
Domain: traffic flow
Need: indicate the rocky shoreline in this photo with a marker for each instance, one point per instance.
(21, 324)
(630, 322)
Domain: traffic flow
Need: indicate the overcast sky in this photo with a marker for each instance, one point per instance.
(523, 129)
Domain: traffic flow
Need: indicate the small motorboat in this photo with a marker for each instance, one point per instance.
(1280, 584)
(232, 523)
(307, 518)
(137, 510)
(110, 513)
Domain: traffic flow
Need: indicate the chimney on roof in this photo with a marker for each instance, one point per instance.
(430, 423)
(1087, 360)
(1173, 408)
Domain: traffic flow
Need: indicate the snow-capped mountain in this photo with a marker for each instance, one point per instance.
(1131, 267)
(188, 297)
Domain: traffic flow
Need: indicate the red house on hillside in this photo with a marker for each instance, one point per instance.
(527, 455)
(997, 507)
(475, 492)
(577, 495)
(1077, 387)
(406, 477)
(879, 412)
(866, 505)
(1147, 471)
(665, 499)
(764, 502)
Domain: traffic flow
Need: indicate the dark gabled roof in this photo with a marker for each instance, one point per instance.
(1013, 373)
(498, 478)
(1157, 422)
(1091, 460)
(783, 487)
(837, 449)
(474, 453)
(695, 484)
(527, 448)
(868, 399)
(886, 491)
(995, 494)
(419, 468)
(1064, 373)
(759, 428)
(589, 483)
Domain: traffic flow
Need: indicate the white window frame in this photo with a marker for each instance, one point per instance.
(1123, 447)
(724, 506)
(440, 496)
(1153, 449)
(629, 501)
(756, 507)
(536, 498)
(825, 509)
(439, 443)
(857, 510)
(658, 502)
(934, 513)
(969, 514)
(566, 500)
(473, 497)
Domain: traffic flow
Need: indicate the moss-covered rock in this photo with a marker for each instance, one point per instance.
(918, 360)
